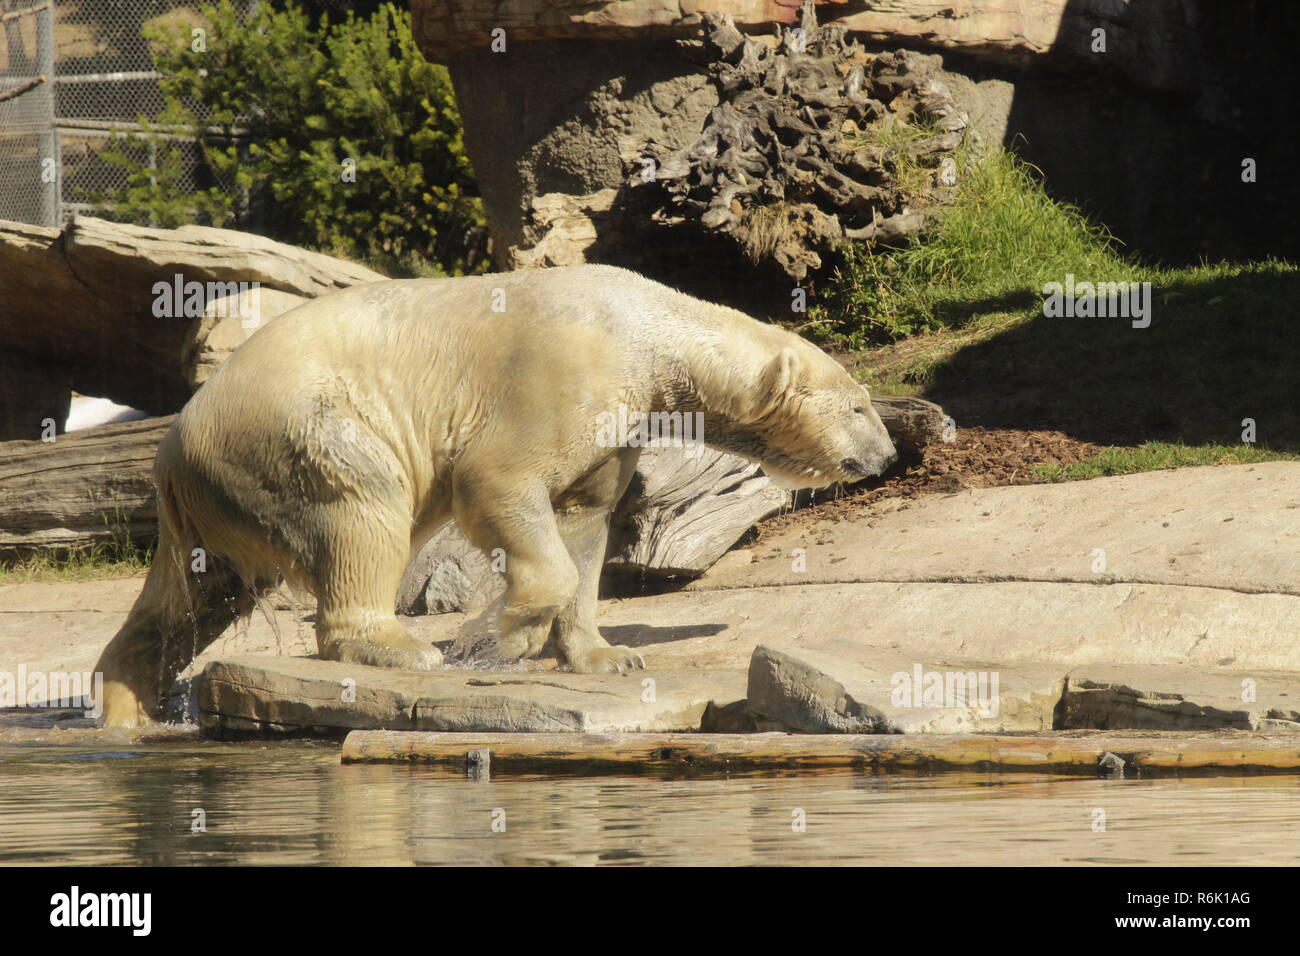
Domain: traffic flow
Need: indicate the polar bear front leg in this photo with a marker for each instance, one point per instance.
(582, 647)
(356, 587)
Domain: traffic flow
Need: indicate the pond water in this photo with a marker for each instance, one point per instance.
(98, 802)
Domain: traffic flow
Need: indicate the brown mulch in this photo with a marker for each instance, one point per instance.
(979, 458)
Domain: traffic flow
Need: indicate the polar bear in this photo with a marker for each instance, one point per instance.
(342, 434)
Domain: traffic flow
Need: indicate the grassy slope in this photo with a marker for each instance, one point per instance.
(959, 319)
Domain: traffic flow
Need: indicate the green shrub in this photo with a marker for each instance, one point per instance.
(312, 98)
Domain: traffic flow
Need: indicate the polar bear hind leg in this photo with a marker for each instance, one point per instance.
(179, 613)
(552, 564)
(584, 525)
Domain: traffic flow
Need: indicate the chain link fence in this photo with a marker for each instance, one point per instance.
(77, 75)
(29, 157)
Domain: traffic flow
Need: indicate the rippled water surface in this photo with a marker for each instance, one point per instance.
(293, 803)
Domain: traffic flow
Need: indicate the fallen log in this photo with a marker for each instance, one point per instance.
(88, 487)
(81, 302)
(1093, 755)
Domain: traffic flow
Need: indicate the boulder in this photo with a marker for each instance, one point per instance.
(845, 687)
(447, 574)
(226, 324)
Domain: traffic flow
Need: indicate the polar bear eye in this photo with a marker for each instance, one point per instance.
(859, 410)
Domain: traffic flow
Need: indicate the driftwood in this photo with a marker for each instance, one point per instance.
(1093, 755)
(792, 162)
(80, 489)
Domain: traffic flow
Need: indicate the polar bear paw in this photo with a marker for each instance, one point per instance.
(396, 650)
(606, 660)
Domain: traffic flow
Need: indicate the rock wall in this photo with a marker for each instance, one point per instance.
(553, 125)
(1140, 112)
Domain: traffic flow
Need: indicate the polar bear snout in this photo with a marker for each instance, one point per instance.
(871, 449)
(873, 462)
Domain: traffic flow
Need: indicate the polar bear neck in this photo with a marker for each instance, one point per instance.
(713, 360)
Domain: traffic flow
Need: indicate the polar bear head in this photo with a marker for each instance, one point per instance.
(818, 425)
(797, 412)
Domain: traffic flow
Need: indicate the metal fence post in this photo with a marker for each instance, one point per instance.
(51, 210)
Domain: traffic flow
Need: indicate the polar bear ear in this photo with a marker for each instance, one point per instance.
(782, 374)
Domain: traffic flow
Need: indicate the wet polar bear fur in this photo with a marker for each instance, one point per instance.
(341, 435)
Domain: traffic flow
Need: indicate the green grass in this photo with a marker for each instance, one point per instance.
(117, 556)
(1153, 456)
(983, 256)
(82, 564)
(959, 318)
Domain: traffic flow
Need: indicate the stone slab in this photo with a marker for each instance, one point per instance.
(1112, 697)
(258, 695)
(1235, 527)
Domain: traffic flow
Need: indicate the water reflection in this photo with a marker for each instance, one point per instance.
(292, 803)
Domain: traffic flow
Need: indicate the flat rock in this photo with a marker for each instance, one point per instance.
(1235, 527)
(260, 695)
(845, 687)
(1014, 622)
(1103, 697)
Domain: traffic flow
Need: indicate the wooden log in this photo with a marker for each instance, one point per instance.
(85, 487)
(81, 301)
(627, 753)
(910, 421)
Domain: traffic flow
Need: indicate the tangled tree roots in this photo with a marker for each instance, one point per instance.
(814, 141)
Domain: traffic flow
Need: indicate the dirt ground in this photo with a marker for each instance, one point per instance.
(979, 458)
